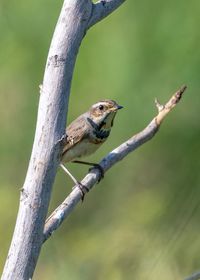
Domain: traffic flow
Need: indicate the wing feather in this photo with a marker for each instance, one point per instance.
(76, 131)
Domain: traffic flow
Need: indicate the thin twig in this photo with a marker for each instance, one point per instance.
(102, 9)
(66, 207)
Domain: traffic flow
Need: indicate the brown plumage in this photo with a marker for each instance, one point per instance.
(88, 132)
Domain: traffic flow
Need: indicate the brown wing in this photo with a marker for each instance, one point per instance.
(76, 131)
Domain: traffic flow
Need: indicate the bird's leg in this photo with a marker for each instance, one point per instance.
(81, 187)
(95, 165)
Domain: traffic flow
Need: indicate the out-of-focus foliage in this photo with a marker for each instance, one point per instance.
(142, 221)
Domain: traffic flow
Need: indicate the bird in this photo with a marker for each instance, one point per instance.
(86, 134)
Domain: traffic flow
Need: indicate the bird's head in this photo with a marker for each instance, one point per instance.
(103, 113)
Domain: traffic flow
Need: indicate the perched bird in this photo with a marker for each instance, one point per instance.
(87, 133)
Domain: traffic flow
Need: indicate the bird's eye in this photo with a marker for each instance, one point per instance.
(101, 107)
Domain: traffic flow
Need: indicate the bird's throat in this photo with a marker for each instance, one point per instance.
(101, 134)
(99, 131)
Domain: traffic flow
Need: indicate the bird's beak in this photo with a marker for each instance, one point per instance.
(119, 107)
(116, 108)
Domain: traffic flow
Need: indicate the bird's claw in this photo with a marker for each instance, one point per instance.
(83, 190)
(101, 170)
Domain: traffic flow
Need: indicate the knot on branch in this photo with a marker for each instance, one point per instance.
(56, 61)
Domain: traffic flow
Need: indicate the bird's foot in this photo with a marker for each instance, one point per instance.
(83, 190)
(101, 170)
(94, 165)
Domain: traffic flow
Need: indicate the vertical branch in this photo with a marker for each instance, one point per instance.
(35, 195)
(27, 239)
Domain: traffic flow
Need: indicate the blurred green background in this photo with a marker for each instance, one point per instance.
(142, 221)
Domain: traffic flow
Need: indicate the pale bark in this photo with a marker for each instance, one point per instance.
(35, 196)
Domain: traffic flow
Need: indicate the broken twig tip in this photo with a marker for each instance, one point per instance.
(179, 93)
(181, 90)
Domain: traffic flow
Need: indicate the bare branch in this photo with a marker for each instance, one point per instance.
(71, 27)
(66, 207)
(51, 121)
(102, 9)
(194, 276)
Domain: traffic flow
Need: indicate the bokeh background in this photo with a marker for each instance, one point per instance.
(142, 221)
